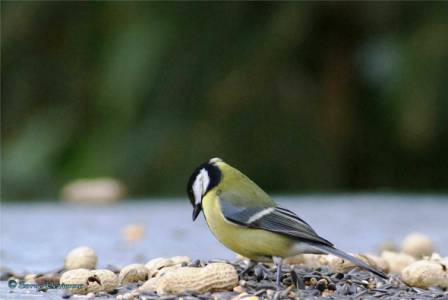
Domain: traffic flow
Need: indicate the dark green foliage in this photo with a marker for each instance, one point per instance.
(300, 96)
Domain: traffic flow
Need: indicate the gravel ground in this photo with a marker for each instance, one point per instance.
(297, 282)
(301, 282)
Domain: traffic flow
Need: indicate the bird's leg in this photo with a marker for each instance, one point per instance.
(278, 262)
(250, 265)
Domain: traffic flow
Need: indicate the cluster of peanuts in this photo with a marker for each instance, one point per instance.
(161, 275)
(416, 262)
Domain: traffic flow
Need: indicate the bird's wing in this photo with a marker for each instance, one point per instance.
(270, 218)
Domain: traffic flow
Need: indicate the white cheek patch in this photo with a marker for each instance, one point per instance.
(205, 181)
(197, 190)
(200, 185)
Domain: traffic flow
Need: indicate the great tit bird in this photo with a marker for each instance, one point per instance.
(247, 221)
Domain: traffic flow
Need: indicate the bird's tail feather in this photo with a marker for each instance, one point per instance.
(356, 261)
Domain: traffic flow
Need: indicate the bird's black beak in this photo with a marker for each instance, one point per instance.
(196, 211)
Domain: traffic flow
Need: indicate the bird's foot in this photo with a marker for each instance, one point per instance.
(278, 263)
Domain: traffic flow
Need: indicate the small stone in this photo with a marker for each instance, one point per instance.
(195, 263)
(259, 272)
(30, 278)
(81, 258)
(86, 281)
(425, 274)
(78, 277)
(338, 264)
(270, 293)
(150, 285)
(128, 296)
(90, 295)
(133, 273)
(98, 190)
(417, 245)
(397, 261)
(103, 281)
(239, 289)
(133, 232)
(156, 264)
(321, 285)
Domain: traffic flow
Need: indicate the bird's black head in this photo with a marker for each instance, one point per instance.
(204, 178)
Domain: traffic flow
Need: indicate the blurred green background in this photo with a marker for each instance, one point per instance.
(303, 97)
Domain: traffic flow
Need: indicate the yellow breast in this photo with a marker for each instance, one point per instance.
(256, 244)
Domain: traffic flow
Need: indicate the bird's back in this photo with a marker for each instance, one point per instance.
(244, 191)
